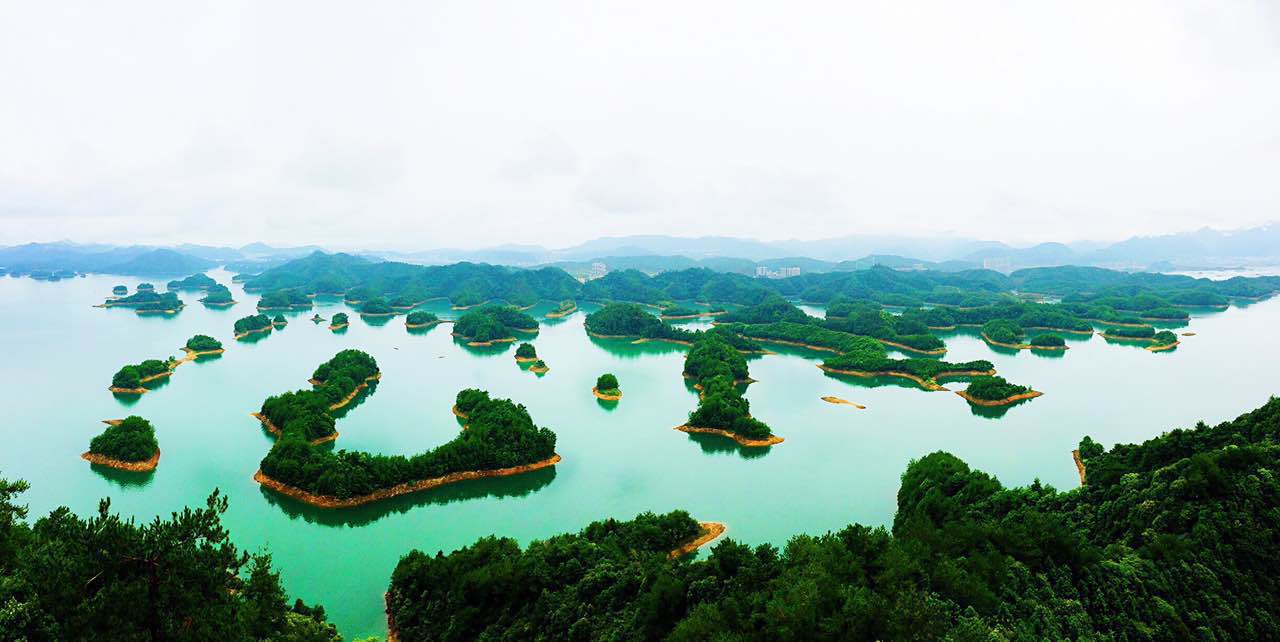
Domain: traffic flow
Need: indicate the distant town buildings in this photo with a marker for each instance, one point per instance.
(763, 272)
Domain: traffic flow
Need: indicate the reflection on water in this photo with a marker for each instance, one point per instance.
(720, 445)
(490, 487)
(124, 478)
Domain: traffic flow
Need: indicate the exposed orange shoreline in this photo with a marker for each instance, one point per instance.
(936, 352)
(418, 326)
(219, 304)
(794, 343)
(542, 370)
(267, 328)
(458, 413)
(691, 316)
(742, 441)
(600, 395)
(1045, 328)
(931, 386)
(1163, 347)
(145, 466)
(526, 359)
(710, 531)
(839, 401)
(678, 342)
(339, 326)
(275, 430)
(1118, 324)
(479, 344)
(558, 314)
(1075, 454)
(328, 501)
(1031, 394)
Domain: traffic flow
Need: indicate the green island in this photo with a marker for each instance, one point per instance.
(1047, 342)
(128, 444)
(606, 388)
(198, 281)
(419, 319)
(526, 353)
(278, 321)
(376, 306)
(218, 295)
(145, 287)
(308, 413)
(717, 369)
(539, 367)
(201, 345)
(253, 324)
(677, 312)
(632, 321)
(178, 578)
(120, 290)
(490, 324)
(865, 357)
(1005, 333)
(284, 299)
(995, 391)
(339, 321)
(147, 302)
(128, 380)
(1168, 537)
(564, 309)
(499, 439)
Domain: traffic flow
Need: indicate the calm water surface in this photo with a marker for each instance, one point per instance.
(838, 464)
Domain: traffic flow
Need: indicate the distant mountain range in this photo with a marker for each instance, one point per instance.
(656, 253)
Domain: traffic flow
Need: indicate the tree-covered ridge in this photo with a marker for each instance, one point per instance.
(493, 323)
(1170, 539)
(993, 388)
(628, 320)
(461, 283)
(146, 301)
(285, 299)
(203, 343)
(1003, 331)
(108, 578)
(131, 377)
(198, 281)
(355, 365)
(217, 294)
(251, 323)
(308, 413)
(499, 435)
(718, 368)
(420, 318)
(133, 439)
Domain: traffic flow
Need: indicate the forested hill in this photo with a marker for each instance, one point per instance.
(472, 283)
(1171, 539)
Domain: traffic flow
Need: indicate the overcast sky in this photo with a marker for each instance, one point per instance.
(429, 124)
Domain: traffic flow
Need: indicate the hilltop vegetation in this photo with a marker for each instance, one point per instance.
(493, 323)
(1170, 539)
(197, 281)
(131, 440)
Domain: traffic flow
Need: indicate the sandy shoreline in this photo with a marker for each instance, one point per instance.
(600, 395)
(481, 344)
(845, 402)
(540, 370)
(266, 328)
(419, 326)
(710, 532)
(339, 326)
(1075, 454)
(364, 385)
(560, 314)
(936, 352)
(1163, 347)
(742, 441)
(458, 413)
(1031, 394)
(145, 466)
(327, 501)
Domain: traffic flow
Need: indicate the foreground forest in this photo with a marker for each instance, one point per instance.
(1170, 539)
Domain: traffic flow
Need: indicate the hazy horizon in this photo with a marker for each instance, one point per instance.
(452, 125)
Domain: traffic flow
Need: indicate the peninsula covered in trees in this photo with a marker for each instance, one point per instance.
(252, 324)
(129, 379)
(284, 299)
(995, 391)
(202, 344)
(129, 444)
(147, 302)
(308, 413)
(1168, 538)
(718, 368)
(499, 439)
(169, 579)
(491, 324)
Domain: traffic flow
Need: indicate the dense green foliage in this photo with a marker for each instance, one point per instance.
(252, 323)
(680, 311)
(1003, 331)
(421, 317)
(217, 294)
(109, 578)
(469, 399)
(199, 281)
(607, 384)
(627, 320)
(375, 305)
(1164, 338)
(1144, 332)
(339, 319)
(1170, 539)
(803, 333)
(526, 351)
(133, 440)
(493, 322)
(279, 320)
(203, 343)
(775, 309)
(147, 300)
(131, 376)
(284, 300)
(119, 290)
(869, 320)
(717, 368)
(499, 434)
(302, 412)
(993, 388)
(1048, 341)
(356, 365)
